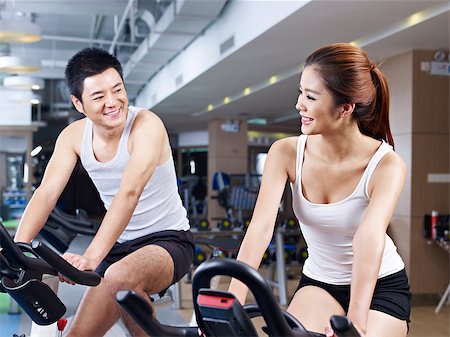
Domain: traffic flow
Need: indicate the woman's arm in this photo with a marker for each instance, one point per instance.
(368, 244)
(280, 159)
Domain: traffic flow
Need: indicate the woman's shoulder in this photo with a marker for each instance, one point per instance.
(392, 160)
(287, 143)
(391, 167)
(284, 148)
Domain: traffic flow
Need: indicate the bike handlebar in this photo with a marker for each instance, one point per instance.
(88, 278)
(49, 263)
(258, 286)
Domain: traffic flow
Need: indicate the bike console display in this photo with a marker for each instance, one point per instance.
(223, 315)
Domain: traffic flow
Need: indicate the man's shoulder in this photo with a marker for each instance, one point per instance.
(148, 118)
(75, 127)
(73, 133)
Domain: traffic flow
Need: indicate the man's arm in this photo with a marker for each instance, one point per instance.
(369, 240)
(56, 176)
(148, 143)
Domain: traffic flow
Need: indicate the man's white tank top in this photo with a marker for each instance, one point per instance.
(159, 207)
(328, 229)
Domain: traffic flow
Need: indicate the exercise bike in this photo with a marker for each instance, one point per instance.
(25, 268)
(219, 313)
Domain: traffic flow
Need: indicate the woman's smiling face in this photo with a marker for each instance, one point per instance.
(315, 103)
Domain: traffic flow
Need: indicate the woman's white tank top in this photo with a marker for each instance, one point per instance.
(328, 229)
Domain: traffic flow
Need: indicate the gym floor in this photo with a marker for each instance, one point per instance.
(424, 321)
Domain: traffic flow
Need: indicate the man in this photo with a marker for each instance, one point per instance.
(144, 243)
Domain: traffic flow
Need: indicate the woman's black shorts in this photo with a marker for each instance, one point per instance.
(391, 294)
(179, 244)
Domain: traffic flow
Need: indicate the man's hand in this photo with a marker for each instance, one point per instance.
(78, 261)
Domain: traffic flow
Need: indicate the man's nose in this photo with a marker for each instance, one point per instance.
(110, 100)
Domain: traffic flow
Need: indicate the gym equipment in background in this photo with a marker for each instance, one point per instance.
(62, 228)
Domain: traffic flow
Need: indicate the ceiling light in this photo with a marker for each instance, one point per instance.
(23, 96)
(36, 151)
(18, 65)
(23, 82)
(273, 79)
(18, 30)
(35, 101)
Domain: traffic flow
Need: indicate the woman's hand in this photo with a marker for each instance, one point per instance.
(330, 333)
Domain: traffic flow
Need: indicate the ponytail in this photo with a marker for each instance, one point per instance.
(381, 128)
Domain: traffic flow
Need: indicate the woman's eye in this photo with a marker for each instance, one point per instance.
(310, 98)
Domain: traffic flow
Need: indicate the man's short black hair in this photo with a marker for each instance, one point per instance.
(88, 62)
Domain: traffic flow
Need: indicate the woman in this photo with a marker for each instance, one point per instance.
(345, 180)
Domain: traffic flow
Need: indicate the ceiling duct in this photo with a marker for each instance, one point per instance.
(180, 24)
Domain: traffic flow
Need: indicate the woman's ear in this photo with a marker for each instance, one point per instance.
(347, 109)
(77, 103)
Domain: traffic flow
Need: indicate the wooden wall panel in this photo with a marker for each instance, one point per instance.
(431, 111)
(430, 155)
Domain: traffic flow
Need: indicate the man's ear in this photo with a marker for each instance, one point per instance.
(77, 103)
(347, 109)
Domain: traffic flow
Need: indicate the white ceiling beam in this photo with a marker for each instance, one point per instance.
(87, 40)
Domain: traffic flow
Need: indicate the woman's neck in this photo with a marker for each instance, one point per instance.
(338, 147)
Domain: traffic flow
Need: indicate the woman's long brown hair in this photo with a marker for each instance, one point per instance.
(352, 77)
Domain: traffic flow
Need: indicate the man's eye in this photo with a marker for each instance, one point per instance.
(98, 98)
(118, 90)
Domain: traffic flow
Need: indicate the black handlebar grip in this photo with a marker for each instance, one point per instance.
(88, 278)
(343, 327)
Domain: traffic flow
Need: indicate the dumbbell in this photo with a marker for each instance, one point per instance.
(200, 256)
(203, 225)
(225, 224)
(290, 223)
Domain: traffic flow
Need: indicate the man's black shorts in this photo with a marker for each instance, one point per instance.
(179, 244)
(391, 294)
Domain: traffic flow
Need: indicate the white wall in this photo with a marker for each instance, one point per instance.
(15, 107)
(196, 138)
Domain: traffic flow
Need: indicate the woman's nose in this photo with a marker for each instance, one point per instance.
(299, 105)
